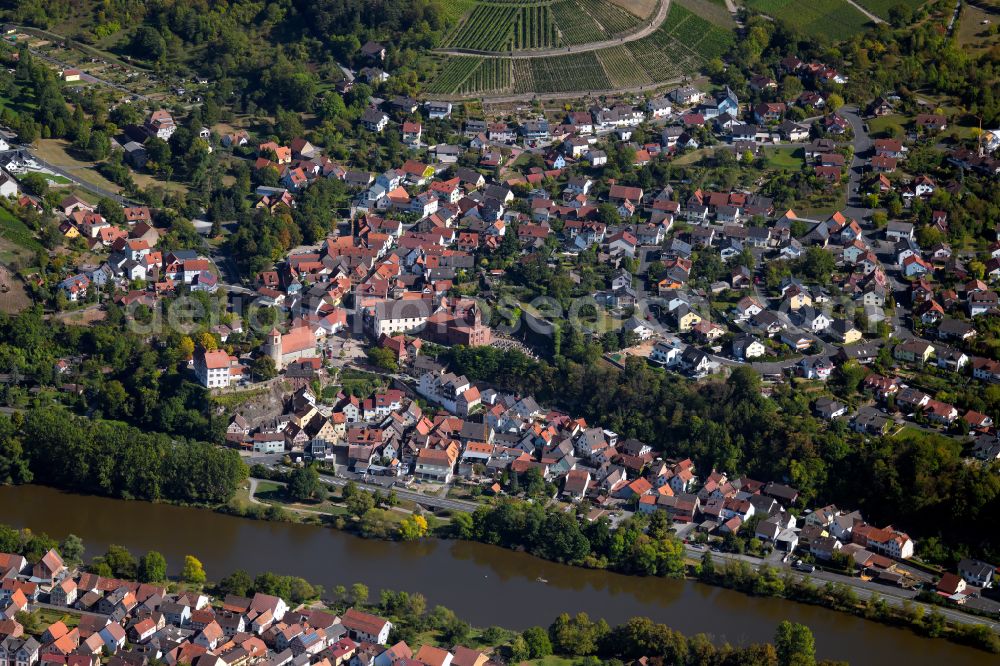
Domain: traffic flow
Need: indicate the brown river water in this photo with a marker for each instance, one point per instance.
(485, 585)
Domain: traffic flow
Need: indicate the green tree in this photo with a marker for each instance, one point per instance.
(193, 572)
(35, 184)
(262, 368)
(71, 549)
(537, 640)
(237, 583)
(413, 527)
(383, 358)
(14, 466)
(158, 151)
(795, 645)
(360, 503)
(148, 43)
(817, 264)
(518, 650)
(304, 484)
(31, 622)
(152, 567)
(101, 569)
(462, 526)
(121, 561)
(359, 594)
(608, 214)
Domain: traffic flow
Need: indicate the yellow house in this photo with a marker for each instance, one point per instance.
(304, 416)
(852, 336)
(845, 331)
(322, 428)
(798, 299)
(68, 230)
(914, 351)
(687, 320)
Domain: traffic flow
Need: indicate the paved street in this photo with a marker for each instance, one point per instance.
(862, 148)
(894, 596)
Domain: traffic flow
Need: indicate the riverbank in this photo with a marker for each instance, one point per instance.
(748, 575)
(326, 626)
(483, 584)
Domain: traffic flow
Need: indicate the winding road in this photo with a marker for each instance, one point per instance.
(648, 29)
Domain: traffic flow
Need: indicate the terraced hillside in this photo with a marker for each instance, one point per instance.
(679, 47)
(503, 26)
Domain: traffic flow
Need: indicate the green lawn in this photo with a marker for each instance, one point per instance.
(49, 616)
(784, 159)
(881, 125)
(269, 487)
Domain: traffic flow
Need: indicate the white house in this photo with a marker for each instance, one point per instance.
(366, 627)
(214, 369)
(8, 186)
(665, 354)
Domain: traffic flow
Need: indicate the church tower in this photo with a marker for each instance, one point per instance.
(273, 347)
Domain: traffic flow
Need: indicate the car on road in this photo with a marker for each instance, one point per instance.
(804, 566)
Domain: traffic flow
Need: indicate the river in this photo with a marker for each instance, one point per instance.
(484, 585)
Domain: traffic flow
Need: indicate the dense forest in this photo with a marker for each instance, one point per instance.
(642, 546)
(271, 54)
(922, 485)
(115, 372)
(49, 445)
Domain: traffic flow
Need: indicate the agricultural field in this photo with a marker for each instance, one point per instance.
(454, 10)
(881, 8)
(510, 25)
(612, 18)
(486, 28)
(641, 8)
(568, 73)
(683, 43)
(473, 76)
(712, 10)
(534, 28)
(575, 25)
(824, 19)
(681, 46)
(623, 70)
(491, 77)
(454, 73)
